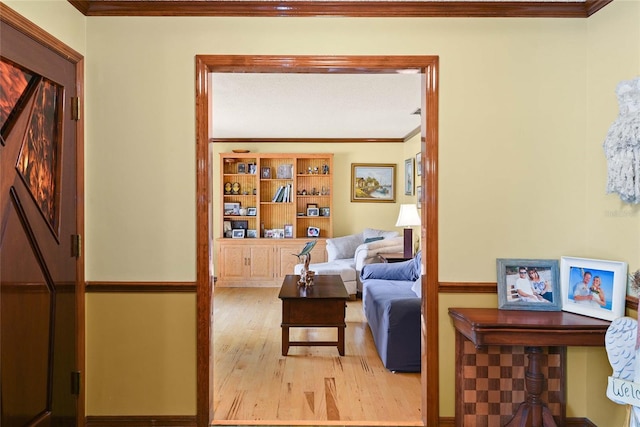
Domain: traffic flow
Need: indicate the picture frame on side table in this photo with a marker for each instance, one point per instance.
(593, 287)
(373, 182)
(528, 284)
(408, 177)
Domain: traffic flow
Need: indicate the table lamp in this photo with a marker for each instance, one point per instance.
(408, 218)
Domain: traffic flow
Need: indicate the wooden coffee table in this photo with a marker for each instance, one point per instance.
(322, 305)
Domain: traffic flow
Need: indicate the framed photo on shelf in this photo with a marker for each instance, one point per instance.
(252, 168)
(238, 233)
(528, 284)
(265, 172)
(231, 208)
(252, 211)
(313, 232)
(288, 231)
(284, 171)
(326, 211)
(593, 287)
(242, 168)
(243, 224)
(252, 234)
(408, 177)
(313, 212)
(373, 182)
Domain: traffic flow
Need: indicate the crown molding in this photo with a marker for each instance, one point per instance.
(348, 8)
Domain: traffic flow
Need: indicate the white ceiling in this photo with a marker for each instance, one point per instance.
(314, 106)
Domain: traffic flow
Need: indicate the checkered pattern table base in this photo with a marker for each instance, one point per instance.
(490, 383)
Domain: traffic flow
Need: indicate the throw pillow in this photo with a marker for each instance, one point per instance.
(343, 247)
(367, 233)
(390, 271)
(373, 239)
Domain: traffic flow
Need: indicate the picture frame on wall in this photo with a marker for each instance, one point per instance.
(528, 284)
(419, 164)
(373, 182)
(419, 196)
(408, 177)
(593, 287)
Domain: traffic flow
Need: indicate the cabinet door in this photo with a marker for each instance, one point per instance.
(233, 261)
(287, 260)
(260, 262)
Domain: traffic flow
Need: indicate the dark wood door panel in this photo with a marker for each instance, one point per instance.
(37, 221)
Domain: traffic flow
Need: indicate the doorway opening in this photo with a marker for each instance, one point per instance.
(427, 66)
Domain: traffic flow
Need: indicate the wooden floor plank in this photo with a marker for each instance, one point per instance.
(255, 385)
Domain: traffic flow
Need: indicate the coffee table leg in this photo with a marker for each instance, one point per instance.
(285, 340)
(341, 340)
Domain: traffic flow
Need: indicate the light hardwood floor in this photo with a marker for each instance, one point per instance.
(255, 385)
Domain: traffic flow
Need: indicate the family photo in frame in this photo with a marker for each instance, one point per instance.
(592, 287)
(528, 284)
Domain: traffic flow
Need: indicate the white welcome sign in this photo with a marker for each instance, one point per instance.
(623, 391)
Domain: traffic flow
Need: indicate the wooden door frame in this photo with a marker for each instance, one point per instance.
(10, 17)
(427, 66)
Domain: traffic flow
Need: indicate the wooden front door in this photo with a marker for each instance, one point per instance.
(38, 225)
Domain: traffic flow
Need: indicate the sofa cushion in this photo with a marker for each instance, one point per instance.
(404, 270)
(368, 233)
(343, 247)
(417, 287)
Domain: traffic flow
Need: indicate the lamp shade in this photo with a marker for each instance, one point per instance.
(408, 216)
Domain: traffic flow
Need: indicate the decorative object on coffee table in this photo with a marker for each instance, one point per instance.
(306, 276)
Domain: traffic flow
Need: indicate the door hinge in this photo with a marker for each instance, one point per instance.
(75, 108)
(75, 383)
(76, 245)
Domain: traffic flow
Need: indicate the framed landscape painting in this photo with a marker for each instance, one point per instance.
(373, 182)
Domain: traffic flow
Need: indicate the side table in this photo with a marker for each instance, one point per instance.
(533, 330)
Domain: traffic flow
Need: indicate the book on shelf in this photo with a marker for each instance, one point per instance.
(277, 194)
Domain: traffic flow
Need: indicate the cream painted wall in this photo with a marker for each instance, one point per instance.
(524, 106)
(59, 18)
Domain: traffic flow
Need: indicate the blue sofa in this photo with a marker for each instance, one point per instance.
(391, 299)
